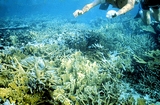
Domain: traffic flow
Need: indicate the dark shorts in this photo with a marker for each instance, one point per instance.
(146, 4)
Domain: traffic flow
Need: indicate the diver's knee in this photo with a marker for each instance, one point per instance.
(156, 14)
(147, 22)
(158, 17)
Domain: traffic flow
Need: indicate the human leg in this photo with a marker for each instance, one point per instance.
(145, 15)
(156, 14)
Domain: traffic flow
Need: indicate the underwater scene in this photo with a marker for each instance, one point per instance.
(49, 57)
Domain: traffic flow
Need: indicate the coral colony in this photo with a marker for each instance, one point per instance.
(58, 62)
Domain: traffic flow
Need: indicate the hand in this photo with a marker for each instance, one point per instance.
(77, 13)
(111, 14)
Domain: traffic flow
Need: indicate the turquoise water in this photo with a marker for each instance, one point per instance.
(63, 8)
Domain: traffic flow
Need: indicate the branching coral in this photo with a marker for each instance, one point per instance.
(52, 70)
(148, 66)
(86, 82)
(16, 85)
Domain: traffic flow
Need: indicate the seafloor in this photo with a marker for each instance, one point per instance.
(56, 61)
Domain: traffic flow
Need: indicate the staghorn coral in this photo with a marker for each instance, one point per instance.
(76, 82)
(50, 70)
(86, 82)
(148, 68)
(153, 60)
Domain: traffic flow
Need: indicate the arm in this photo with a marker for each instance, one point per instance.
(86, 8)
(127, 7)
(124, 9)
(91, 5)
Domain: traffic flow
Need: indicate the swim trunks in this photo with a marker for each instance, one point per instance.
(146, 4)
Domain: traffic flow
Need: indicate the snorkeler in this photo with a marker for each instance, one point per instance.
(123, 5)
(150, 8)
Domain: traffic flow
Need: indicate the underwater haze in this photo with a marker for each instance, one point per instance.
(35, 7)
(49, 57)
(63, 8)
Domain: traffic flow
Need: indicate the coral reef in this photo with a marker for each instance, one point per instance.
(148, 67)
(61, 62)
(66, 82)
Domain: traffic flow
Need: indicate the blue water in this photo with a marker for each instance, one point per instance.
(54, 8)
